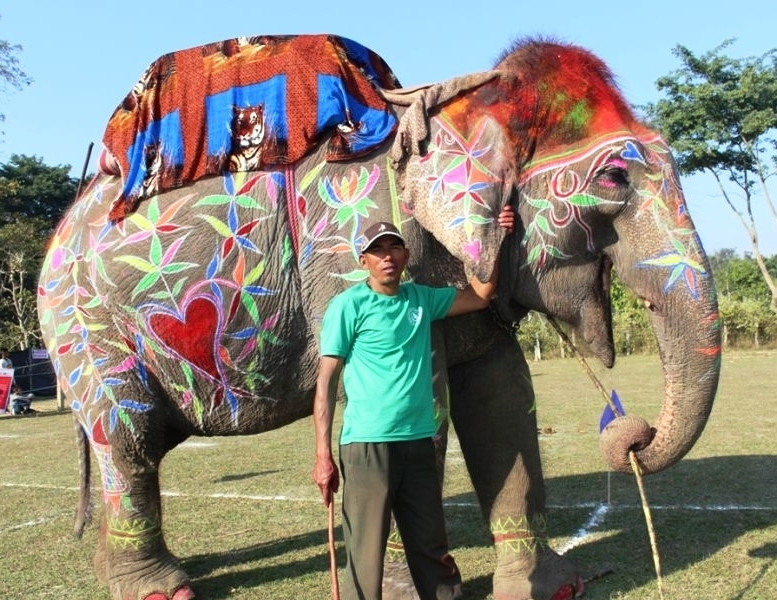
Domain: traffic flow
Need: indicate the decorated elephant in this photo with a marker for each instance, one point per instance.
(182, 293)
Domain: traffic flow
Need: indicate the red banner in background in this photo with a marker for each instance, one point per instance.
(6, 381)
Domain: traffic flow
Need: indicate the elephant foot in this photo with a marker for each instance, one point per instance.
(147, 577)
(398, 584)
(544, 576)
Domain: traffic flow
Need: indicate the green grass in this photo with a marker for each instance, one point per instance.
(247, 520)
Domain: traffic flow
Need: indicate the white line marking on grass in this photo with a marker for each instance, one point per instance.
(591, 505)
(584, 532)
(197, 445)
(32, 523)
(283, 498)
(232, 496)
(39, 486)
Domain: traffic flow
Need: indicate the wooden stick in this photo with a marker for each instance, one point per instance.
(632, 455)
(83, 171)
(649, 522)
(586, 367)
(332, 555)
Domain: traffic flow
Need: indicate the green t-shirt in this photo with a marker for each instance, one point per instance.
(385, 342)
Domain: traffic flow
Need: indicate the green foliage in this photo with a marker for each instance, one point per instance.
(30, 188)
(746, 321)
(539, 340)
(632, 331)
(744, 299)
(33, 197)
(11, 74)
(22, 248)
(740, 278)
(720, 113)
(744, 304)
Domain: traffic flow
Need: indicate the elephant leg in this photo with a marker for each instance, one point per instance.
(493, 412)
(132, 557)
(397, 581)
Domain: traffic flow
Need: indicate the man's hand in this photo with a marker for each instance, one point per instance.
(327, 478)
(506, 219)
(478, 294)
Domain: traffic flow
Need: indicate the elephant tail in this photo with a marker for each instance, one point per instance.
(84, 509)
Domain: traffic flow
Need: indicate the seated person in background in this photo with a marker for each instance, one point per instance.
(20, 402)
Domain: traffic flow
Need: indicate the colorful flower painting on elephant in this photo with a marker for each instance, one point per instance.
(194, 309)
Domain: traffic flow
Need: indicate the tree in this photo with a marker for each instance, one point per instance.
(33, 197)
(10, 73)
(30, 188)
(720, 117)
(745, 316)
(632, 330)
(21, 255)
(743, 297)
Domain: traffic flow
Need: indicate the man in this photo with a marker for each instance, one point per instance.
(5, 360)
(379, 334)
(20, 402)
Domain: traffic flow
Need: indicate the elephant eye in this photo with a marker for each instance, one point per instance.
(612, 176)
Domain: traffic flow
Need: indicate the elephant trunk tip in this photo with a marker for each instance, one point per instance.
(621, 437)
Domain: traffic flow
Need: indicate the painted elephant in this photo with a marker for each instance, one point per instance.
(195, 311)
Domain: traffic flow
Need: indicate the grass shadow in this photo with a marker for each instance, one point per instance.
(211, 581)
(699, 507)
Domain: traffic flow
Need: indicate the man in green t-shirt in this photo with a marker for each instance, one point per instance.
(378, 333)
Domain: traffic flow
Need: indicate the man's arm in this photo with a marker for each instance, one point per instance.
(325, 472)
(477, 295)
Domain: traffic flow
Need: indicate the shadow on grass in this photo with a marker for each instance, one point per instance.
(201, 567)
(244, 476)
(42, 414)
(699, 507)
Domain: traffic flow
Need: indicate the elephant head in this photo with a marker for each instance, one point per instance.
(599, 190)
(596, 189)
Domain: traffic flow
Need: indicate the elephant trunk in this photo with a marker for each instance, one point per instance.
(686, 325)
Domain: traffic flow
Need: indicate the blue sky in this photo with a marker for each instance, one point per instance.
(84, 56)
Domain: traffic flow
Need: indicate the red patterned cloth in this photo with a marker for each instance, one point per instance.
(180, 122)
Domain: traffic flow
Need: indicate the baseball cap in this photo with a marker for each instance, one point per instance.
(379, 230)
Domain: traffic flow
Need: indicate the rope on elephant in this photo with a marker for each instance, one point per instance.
(632, 455)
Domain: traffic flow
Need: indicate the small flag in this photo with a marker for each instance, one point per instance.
(608, 416)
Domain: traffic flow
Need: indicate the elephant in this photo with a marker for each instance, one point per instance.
(193, 310)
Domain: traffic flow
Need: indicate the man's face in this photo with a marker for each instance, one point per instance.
(385, 259)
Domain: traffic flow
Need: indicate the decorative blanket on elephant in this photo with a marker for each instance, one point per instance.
(245, 104)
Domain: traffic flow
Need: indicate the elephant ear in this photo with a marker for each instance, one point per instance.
(456, 188)
(420, 101)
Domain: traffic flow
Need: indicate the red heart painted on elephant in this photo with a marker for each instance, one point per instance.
(193, 337)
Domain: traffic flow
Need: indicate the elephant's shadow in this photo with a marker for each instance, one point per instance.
(699, 507)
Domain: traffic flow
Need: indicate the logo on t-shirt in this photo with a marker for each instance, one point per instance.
(414, 315)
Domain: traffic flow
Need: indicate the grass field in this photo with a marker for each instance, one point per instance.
(247, 521)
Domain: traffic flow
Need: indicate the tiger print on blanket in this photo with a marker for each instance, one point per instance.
(248, 129)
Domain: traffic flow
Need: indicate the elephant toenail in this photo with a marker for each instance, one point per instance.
(184, 593)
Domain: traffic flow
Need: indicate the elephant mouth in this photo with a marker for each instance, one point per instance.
(605, 276)
(599, 338)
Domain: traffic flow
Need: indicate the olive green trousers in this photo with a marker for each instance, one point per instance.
(398, 477)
